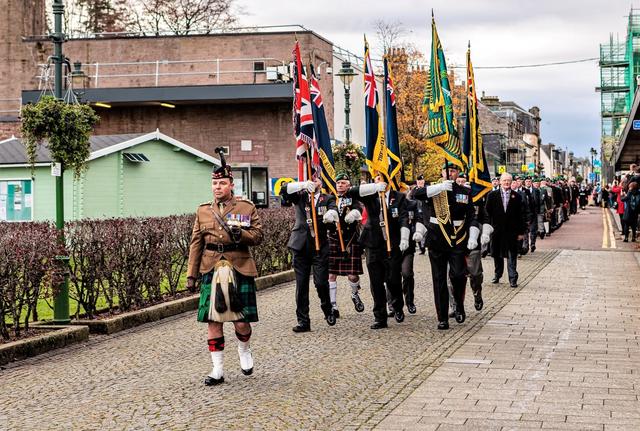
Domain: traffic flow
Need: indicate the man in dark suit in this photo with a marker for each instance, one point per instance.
(302, 244)
(383, 267)
(507, 216)
(533, 193)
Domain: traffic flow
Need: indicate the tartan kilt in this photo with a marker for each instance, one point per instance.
(345, 264)
(247, 291)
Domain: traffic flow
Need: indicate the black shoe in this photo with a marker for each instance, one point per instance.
(399, 316)
(336, 313)
(533, 248)
(331, 318)
(443, 325)
(378, 325)
(460, 316)
(301, 328)
(495, 280)
(514, 284)
(411, 309)
(478, 303)
(357, 302)
(210, 381)
(625, 240)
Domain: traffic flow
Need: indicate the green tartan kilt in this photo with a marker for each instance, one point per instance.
(247, 290)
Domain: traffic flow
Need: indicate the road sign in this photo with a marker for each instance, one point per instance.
(502, 169)
(597, 163)
(636, 124)
(531, 166)
(592, 176)
(524, 168)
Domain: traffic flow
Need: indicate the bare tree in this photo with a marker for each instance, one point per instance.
(389, 34)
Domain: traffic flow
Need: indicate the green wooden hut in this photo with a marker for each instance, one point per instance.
(128, 175)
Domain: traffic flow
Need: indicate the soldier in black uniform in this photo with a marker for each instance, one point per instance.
(383, 267)
(447, 242)
(302, 244)
(417, 230)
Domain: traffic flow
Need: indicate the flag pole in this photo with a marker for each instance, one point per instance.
(339, 229)
(383, 202)
(313, 203)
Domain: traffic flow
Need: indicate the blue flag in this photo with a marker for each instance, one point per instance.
(396, 171)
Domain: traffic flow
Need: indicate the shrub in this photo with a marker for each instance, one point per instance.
(27, 258)
(124, 261)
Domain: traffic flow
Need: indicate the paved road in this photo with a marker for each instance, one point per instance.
(343, 377)
(349, 377)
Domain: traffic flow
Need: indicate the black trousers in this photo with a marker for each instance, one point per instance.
(454, 259)
(304, 261)
(385, 270)
(408, 280)
(512, 263)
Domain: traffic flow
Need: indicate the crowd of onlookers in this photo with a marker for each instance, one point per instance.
(623, 195)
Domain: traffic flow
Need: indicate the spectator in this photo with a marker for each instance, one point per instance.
(619, 204)
(631, 211)
(604, 197)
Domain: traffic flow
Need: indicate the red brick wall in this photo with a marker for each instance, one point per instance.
(206, 127)
(8, 129)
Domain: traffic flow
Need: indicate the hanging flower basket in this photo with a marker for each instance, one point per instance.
(348, 157)
(66, 128)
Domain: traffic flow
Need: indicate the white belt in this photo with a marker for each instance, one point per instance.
(456, 223)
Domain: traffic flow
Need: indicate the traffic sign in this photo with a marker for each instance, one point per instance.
(524, 168)
(636, 124)
(502, 169)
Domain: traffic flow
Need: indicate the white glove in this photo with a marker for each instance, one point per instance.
(421, 230)
(404, 238)
(370, 189)
(474, 233)
(353, 216)
(330, 216)
(436, 189)
(308, 186)
(487, 230)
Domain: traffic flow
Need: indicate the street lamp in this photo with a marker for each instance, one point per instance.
(78, 80)
(346, 74)
(593, 152)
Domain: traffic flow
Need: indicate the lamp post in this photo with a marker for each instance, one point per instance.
(61, 299)
(78, 80)
(346, 74)
(593, 152)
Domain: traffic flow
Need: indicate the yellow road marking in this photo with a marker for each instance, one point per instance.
(605, 228)
(612, 230)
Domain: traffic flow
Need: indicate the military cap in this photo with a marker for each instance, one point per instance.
(342, 176)
(420, 177)
(224, 171)
(462, 175)
(449, 165)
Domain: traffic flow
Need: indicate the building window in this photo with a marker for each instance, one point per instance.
(252, 183)
(246, 145)
(16, 200)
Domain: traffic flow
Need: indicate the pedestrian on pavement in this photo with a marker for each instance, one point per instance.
(619, 204)
(349, 262)
(605, 196)
(450, 231)
(223, 231)
(508, 219)
(384, 267)
(533, 196)
(574, 195)
(302, 244)
(631, 211)
(583, 196)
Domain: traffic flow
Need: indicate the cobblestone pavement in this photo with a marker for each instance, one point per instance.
(563, 354)
(342, 377)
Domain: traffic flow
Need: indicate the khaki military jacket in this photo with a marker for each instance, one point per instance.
(207, 230)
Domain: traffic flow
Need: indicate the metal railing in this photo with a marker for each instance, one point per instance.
(181, 72)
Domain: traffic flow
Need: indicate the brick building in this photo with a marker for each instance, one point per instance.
(206, 90)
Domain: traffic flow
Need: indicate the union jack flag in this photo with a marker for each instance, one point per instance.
(370, 93)
(302, 113)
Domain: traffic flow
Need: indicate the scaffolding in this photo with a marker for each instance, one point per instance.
(619, 78)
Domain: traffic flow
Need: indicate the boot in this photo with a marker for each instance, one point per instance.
(357, 302)
(334, 309)
(246, 358)
(217, 373)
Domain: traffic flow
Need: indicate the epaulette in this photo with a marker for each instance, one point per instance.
(206, 203)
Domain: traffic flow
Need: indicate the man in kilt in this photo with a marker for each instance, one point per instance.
(219, 253)
(349, 262)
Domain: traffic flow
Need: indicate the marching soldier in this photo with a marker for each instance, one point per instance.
(223, 231)
(349, 263)
(302, 244)
(450, 229)
(383, 267)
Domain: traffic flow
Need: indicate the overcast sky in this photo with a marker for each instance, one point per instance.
(502, 32)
